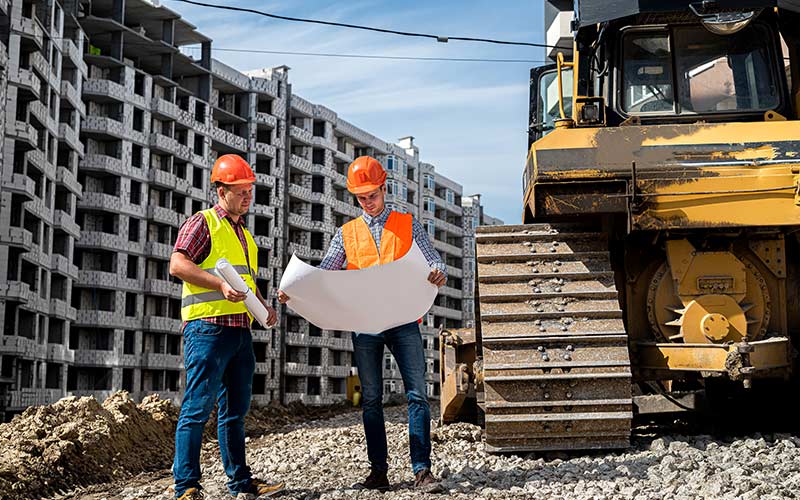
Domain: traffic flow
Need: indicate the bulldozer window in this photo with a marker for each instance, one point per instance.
(647, 73)
(725, 73)
(713, 73)
(548, 98)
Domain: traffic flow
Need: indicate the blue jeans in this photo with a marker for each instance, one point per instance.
(220, 363)
(405, 344)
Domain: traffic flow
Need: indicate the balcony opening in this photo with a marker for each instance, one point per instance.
(127, 379)
(314, 330)
(138, 120)
(93, 299)
(313, 386)
(318, 156)
(29, 274)
(171, 380)
(262, 195)
(182, 136)
(136, 193)
(138, 84)
(26, 373)
(295, 354)
(179, 204)
(183, 102)
(63, 200)
(197, 177)
(173, 345)
(317, 241)
(319, 128)
(260, 350)
(133, 229)
(265, 105)
(136, 156)
(199, 144)
(54, 376)
(26, 324)
(98, 339)
(55, 333)
(130, 304)
(58, 287)
(263, 258)
(261, 226)
(200, 111)
(129, 342)
(61, 242)
(317, 184)
(314, 356)
(264, 136)
(259, 384)
(264, 166)
(317, 212)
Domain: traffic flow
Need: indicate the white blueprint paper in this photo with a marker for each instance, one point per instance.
(363, 300)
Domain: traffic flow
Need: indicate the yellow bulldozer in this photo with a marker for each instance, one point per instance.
(659, 251)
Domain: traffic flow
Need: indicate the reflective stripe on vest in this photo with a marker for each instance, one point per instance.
(361, 248)
(198, 302)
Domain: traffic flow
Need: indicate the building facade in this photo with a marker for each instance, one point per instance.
(474, 216)
(114, 113)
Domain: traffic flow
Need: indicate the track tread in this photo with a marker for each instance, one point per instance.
(555, 359)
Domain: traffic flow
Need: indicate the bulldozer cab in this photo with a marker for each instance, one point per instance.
(673, 66)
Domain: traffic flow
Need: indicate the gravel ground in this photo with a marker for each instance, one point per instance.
(320, 460)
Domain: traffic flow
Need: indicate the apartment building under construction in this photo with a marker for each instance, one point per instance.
(115, 112)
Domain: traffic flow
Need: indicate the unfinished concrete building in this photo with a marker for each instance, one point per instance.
(40, 88)
(473, 217)
(115, 113)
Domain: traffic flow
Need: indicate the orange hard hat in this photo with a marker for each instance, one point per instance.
(232, 169)
(364, 175)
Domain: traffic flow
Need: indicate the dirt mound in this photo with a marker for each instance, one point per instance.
(77, 441)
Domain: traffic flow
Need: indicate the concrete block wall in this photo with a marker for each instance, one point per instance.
(101, 177)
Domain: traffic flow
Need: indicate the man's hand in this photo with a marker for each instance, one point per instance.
(282, 297)
(272, 317)
(231, 294)
(437, 277)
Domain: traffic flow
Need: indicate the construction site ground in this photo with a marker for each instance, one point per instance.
(80, 449)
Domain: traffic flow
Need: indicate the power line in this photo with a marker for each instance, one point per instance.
(333, 54)
(369, 56)
(438, 38)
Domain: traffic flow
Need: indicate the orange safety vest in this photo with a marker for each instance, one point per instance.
(361, 248)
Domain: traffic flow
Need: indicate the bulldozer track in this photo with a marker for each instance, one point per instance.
(556, 368)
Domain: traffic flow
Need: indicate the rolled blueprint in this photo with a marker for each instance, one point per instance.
(226, 271)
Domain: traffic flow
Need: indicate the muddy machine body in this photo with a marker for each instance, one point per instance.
(659, 246)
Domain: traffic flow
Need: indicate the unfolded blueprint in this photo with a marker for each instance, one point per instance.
(363, 300)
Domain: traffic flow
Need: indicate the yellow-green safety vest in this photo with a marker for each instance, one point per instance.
(198, 302)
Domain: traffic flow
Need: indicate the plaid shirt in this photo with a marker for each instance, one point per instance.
(336, 258)
(194, 240)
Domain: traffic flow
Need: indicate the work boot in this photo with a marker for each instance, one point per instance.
(191, 494)
(260, 489)
(375, 481)
(426, 482)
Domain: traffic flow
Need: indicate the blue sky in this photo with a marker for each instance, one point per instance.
(468, 119)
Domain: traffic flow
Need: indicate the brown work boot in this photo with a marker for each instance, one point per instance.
(375, 481)
(191, 494)
(426, 482)
(259, 488)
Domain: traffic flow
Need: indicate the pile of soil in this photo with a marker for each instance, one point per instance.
(77, 441)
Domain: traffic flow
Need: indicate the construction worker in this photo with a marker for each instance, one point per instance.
(217, 345)
(379, 236)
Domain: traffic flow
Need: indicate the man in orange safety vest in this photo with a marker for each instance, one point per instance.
(377, 237)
